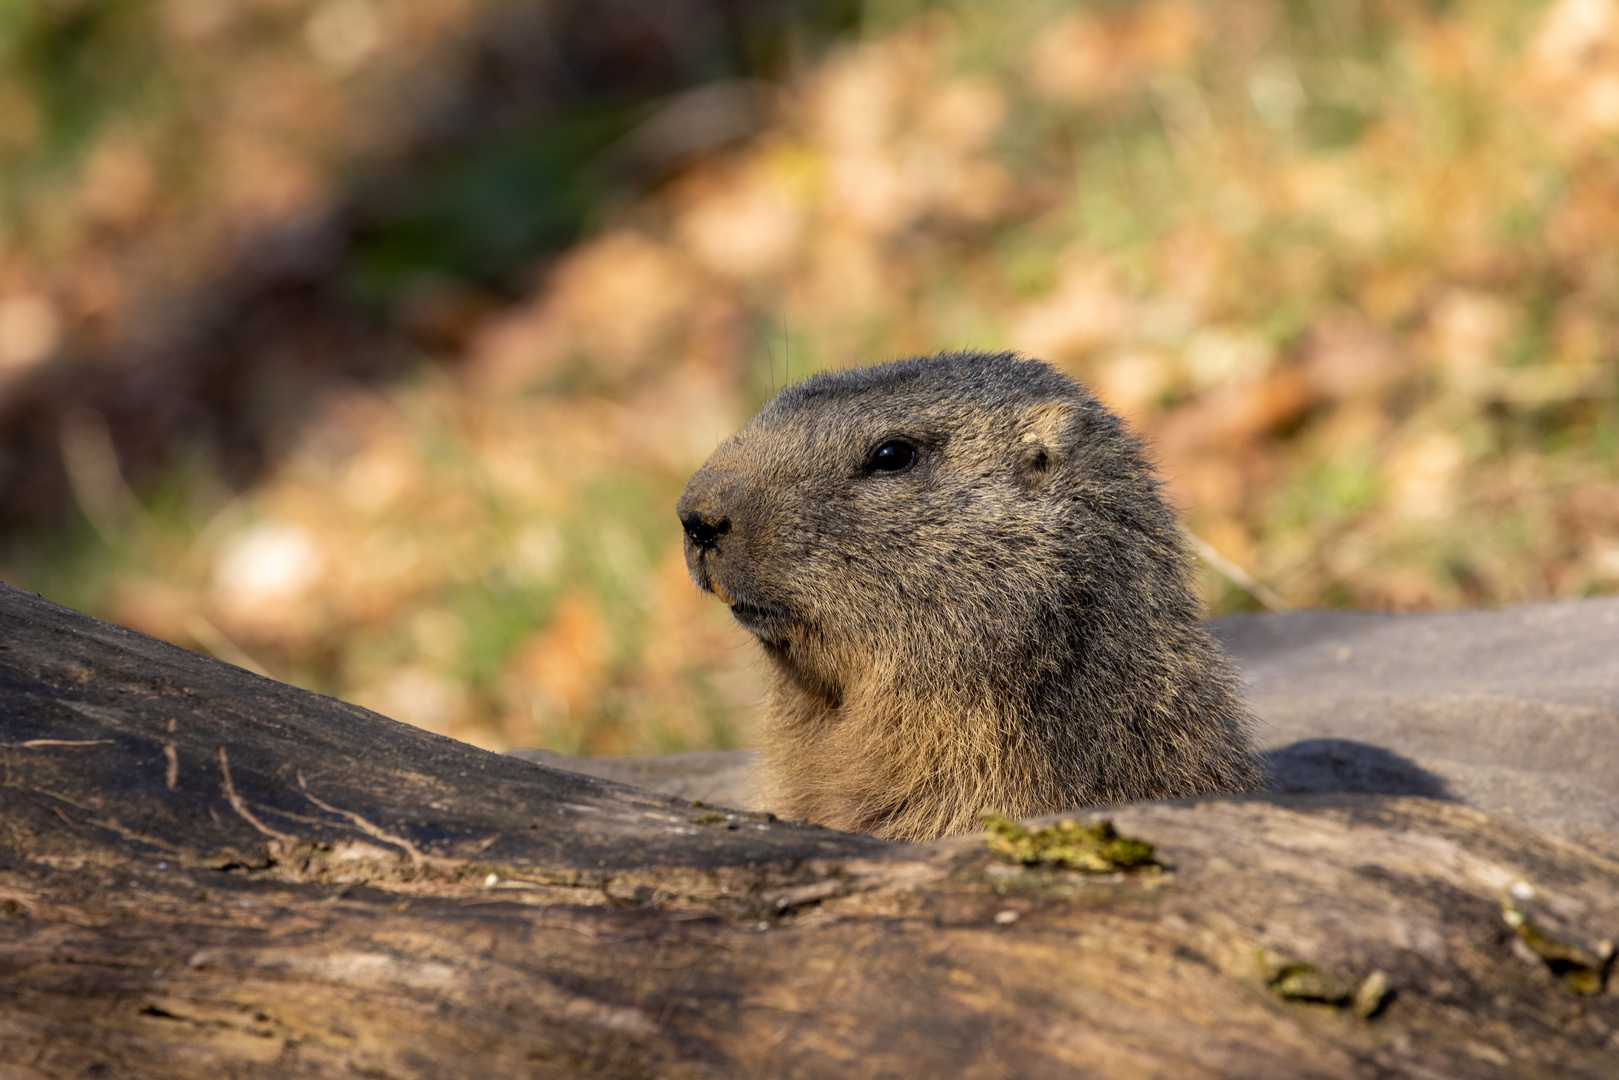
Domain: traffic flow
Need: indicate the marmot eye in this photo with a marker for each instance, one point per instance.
(893, 456)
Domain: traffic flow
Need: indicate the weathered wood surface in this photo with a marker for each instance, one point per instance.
(1515, 712)
(203, 873)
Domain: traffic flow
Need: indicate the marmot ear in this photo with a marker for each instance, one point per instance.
(1041, 444)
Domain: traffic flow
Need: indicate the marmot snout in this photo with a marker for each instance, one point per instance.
(972, 597)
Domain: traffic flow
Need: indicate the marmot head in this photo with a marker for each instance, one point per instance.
(912, 512)
(973, 537)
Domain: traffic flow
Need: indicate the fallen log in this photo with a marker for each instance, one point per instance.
(204, 873)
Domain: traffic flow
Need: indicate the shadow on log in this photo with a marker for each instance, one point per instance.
(204, 873)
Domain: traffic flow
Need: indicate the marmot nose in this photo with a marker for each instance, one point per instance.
(705, 532)
(709, 507)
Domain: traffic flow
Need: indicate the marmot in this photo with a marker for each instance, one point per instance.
(972, 596)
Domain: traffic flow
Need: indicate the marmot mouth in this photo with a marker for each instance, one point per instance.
(763, 620)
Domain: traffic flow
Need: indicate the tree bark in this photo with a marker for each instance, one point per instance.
(208, 874)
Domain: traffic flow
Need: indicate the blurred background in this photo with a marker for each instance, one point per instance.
(368, 343)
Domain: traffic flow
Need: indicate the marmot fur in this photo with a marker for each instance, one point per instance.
(972, 597)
